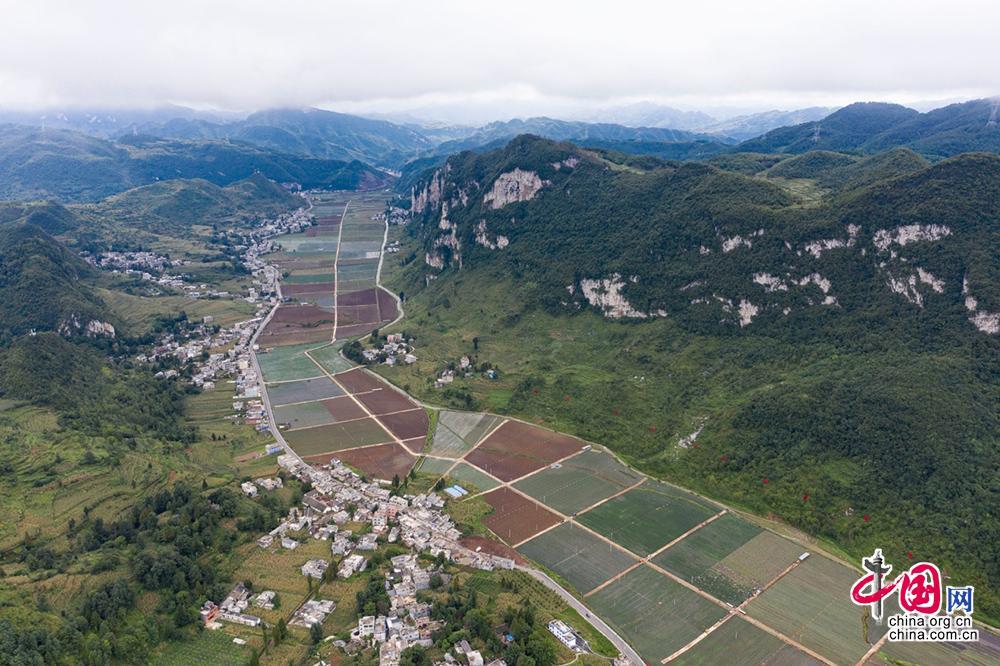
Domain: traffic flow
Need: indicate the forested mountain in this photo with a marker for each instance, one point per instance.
(872, 127)
(173, 205)
(692, 240)
(833, 347)
(43, 285)
(752, 125)
(309, 133)
(577, 132)
(69, 166)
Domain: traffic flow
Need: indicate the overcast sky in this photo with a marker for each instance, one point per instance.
(502, 58)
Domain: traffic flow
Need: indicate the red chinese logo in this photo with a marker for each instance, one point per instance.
(919, 589)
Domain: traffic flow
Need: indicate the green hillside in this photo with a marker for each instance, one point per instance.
(173, 205)
(42, 285)
(872, 127)
(37, 163)
(827, 348)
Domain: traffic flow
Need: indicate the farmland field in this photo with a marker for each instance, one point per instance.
(515, 517)
(407, 425)
(579, 482)
(467, 475)
(515, 449)
(577, 555)
(648, 517)
(695, 558)
(380, 462)
(386, 401)
(755, 646)
(329, 357)
(653, 613)
(329, 438)
(812, 605)
(757, 561)
(457, 432)
(208, 647)
(435, 466)
(984, 653)
(303, 391)
(285, 363)
(304, 415)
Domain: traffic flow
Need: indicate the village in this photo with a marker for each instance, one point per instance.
(340, 496)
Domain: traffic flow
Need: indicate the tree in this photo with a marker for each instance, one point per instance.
(316, 633)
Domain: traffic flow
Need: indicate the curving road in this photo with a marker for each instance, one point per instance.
(576, 605)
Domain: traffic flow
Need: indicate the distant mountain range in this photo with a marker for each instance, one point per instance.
(871, 127)
(70, 166)
(315, 148)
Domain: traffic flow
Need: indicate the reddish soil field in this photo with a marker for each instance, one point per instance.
(327, 220)
(515, 517)
(516, 449)
(327, 229)
(354, 330)
(357, 381)
(387, 305)
(364, 297)
(294, 336)
(415, 445)
(303, 263)
(407, 425)
(380, 462)
(301, 314)
(357, 314)
(493, 547)
(306, 288)
(344, 408)
(386, 401)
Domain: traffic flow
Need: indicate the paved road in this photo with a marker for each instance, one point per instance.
(576, 605)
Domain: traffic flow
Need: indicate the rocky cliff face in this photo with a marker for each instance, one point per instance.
(705, 245)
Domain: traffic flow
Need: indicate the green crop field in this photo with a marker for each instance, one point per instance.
(939, 654)
(577, 555)
(336, 437)
(311, 277)
(304, 390)
(206, 647)
(457, 432)
(579, 482)
(470, 477)
(646, 518)
(739, 643)
(653, 613)
(759, 560)
(435, 466)
(329, 357)
(303, 415)
(280, 364)
(812, 604)
(695, 557)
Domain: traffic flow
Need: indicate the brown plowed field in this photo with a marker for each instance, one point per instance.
(407, 425)
(416, 445)
(515, 517)
(385, 401)
(358, 381)
(301, 314)
(344, 408)
(357, 314)
(306, 288)
(294, 336)
(363, 297)
(387, 305)
(380, 462)
(515, 449)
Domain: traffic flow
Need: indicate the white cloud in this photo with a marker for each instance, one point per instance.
(522, 55)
